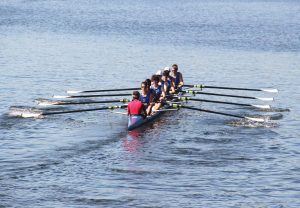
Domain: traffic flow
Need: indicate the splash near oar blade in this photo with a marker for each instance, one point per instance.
(260, 120)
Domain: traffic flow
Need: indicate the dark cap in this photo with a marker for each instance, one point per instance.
(136, 94)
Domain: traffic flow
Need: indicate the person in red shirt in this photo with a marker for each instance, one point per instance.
(136, 107)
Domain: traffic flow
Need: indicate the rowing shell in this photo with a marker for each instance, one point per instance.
(138, 121)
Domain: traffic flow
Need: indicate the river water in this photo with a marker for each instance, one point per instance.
(186, 158)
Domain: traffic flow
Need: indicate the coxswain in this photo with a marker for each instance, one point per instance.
(177, 77)
(136, 107)
(167, 83)
(146, 97)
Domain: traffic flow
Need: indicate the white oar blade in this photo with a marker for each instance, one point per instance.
(31, 115)
(255, 119)
(45, 104)
(265, 99)
(270, 90)
(61, 96)
(262, 106)
(73, 92)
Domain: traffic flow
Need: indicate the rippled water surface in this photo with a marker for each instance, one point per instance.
(184, 159)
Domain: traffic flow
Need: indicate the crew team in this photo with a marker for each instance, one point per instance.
(155, 92)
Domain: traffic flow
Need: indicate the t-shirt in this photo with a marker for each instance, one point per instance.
(135, 107)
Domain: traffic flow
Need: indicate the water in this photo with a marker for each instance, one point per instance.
(186, 159)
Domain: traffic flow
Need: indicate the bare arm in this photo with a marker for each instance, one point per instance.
(181, 83)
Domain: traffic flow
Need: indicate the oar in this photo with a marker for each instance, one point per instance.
(226, 95)
(50, 102)
(107, 90)
(37, 115)
(89, 96)
(220, 113)
(233, 88)
(223, 102)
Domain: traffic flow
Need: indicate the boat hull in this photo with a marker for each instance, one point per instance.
(138, 121)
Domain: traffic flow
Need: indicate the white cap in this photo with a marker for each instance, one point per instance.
(158, 73)
(167, 68)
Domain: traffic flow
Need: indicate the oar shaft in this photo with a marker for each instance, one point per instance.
(214, 112)
(82, 110)
(90, 102)
(104, 95)
(221, 102)
(109, 90)
(222, 95)
(232, 88)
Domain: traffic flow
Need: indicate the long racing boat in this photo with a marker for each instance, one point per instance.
(137, 121)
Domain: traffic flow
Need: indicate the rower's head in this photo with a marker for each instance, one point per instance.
(159, 73)
(155, 79)
(144, 87)
(148, 81)
(165, 75)
(167, 69)
(135, 95)
(175, 68)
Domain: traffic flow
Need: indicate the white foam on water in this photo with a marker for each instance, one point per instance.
(24, 112)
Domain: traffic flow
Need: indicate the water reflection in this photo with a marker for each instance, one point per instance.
(132, 142)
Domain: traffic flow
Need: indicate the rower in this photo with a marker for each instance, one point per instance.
(177, 77)
(167, 83)
(136, 107)
(152, 91)
(159, 94)
(159, 74)
(146, 97)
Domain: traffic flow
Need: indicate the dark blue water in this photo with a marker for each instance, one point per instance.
(186, 158)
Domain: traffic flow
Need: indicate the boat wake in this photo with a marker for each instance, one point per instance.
(268, 122)
(276, 110)
(24, 112)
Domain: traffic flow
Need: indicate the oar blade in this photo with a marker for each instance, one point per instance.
(61, 96)
(74, 91)
(262, 106)
(265, 99)
(260, 120)
(269, 90)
